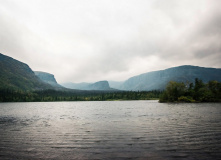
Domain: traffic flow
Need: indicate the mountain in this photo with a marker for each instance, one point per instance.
(48, 78)
(101, 85)
(157, 80)
(18, 75)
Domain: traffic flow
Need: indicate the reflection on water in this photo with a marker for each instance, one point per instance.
(110, 130)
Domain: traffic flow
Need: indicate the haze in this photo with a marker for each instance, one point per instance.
(88, 41)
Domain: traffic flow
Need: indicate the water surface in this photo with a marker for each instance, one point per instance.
(110, 130)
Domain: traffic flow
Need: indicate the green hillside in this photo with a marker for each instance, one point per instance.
(19, 76)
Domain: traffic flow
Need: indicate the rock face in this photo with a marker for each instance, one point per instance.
(47, 78)
(157, 80)
(101, 85)
(17, 75)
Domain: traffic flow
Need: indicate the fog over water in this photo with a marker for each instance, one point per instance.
(88, 41)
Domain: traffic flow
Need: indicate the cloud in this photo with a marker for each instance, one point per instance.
(113, 39)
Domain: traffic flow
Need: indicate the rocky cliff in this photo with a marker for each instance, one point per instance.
(47, 78)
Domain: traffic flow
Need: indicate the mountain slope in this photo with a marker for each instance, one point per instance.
(157, 80)
(48, 78)
(17, 75)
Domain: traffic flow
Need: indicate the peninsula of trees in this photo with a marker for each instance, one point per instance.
(189, 92)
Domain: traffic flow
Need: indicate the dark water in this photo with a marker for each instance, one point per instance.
(110, 130)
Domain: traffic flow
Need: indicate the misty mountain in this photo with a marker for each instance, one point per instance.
(18, 75)
(115, 84)
(48, 78)
(75, 85)
(101, 85)
(158, 80)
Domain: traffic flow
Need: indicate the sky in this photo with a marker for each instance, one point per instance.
(93, 40)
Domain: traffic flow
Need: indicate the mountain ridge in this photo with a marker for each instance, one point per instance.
(157, 80)
(100, 85)
(18, 75)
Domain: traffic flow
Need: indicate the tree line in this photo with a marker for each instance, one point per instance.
(174, 92)
(8, 95)
(192, 92)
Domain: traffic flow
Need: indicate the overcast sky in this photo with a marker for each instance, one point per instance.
(92, 40)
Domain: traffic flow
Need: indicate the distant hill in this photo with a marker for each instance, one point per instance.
(157, 80)
(17, 75)
(101, 85)
(48, 78)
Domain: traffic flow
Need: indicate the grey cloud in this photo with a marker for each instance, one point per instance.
(90, 41)
(206, 40)
(11, 37)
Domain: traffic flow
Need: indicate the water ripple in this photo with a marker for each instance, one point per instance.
(110, 130)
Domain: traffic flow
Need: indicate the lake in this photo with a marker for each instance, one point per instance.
(110, 130)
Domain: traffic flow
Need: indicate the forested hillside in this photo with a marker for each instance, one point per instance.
(19, 76)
